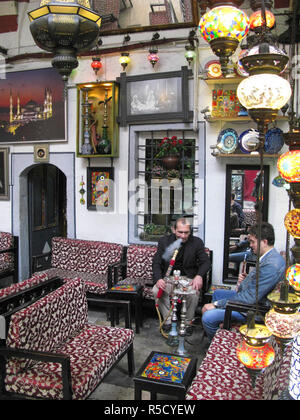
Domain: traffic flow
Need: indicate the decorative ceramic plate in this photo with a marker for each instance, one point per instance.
(227, 140)
(213, 69)
(249, 140)
(274, 140)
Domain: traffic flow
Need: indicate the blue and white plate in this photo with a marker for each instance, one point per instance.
(249, 140)
(274, 140)
(227, 140)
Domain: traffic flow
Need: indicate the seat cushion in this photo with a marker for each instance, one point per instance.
(221, 376)
(93, 351)
(24, 285)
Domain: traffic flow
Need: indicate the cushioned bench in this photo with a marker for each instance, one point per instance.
(221, 376)
(52, 352)
(8, 256)
(137, 269)
(89, 260)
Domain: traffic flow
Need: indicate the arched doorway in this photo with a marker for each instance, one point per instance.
(21, 165)
(46, 212)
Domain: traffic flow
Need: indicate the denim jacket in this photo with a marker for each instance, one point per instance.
(271, 271)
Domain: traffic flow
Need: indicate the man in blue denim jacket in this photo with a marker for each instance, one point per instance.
(271, 271)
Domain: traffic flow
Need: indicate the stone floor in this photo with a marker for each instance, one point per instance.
(118, 385)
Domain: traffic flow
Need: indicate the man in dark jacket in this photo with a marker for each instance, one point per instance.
(191, 260)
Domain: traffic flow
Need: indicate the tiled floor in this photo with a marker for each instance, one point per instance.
(118, 385)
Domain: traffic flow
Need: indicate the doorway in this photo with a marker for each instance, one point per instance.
(47, 212)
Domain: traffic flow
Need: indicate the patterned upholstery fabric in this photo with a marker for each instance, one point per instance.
(6, 259)
(89, 260)
(139, 267)
(222, 377)
(58, 323)
(23, 285)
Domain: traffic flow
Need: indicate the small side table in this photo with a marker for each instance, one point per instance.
(133, 293)
(165, 373)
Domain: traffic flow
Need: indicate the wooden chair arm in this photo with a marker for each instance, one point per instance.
(240, 307)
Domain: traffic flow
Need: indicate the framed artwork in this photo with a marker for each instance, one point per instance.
(4, 175)
(155, 97)
(32, 107)
(100, 188)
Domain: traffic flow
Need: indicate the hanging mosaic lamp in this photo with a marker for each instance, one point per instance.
(256, 20)
(288, 166)
(96, 64)
(292, 223)
(124, 60)
(190, 54)
(264, 92)
(293, 277)
(254, 351)
(223, 27)
(153, 58)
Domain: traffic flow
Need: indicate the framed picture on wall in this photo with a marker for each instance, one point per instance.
(4, 174)
(100, 188)
(155, 97)
(32, 107)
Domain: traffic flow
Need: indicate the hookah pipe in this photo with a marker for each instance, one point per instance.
(160, 293)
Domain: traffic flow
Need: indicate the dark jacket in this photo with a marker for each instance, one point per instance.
(195, 259)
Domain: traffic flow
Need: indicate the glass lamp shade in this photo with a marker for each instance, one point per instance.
(190, 54)
(222, 22)
(288, 166)
(294, 383)
(264, 91)
(96, 64)
(293, 277)
(292, 223)
(153, 58)
(255, 357)
(282, 325)
(124, 60)
(256, 20)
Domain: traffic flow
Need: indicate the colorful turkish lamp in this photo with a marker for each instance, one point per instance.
(294, 382)
(288, 166)
(124, 60)
(256, 20)
(96, 64)
(292, 223)
(254, 351)
(190, 54)
(264, 92)
(293, 277)
(153, 58)
(224, 27)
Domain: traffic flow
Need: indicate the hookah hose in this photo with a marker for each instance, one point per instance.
(160, 293)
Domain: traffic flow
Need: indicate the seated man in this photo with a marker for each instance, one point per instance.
(271, 271)
(191, 260)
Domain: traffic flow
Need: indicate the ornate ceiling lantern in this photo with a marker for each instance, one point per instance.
(64, 28)
(264, 92)
(224, 27)
(153, 57)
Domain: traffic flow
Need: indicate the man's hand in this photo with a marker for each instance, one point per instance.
(197, 282)
(208, 307)
(161, 284)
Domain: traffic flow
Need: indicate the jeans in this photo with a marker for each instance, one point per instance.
(213, 318)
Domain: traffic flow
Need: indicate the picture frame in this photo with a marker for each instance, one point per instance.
(155, 97)
(4, 173)
(100, 188)
(33, 107)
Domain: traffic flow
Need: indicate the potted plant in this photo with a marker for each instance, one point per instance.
(158, 171)
(173, 173)
(169, 150)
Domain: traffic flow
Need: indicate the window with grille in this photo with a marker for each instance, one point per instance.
(160, 194)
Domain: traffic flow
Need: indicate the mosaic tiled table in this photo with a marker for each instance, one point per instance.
(133, 293)
(165, 373)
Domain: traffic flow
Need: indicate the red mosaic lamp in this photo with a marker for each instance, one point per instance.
(96, 64)
(256, 20)
(153, 57)
(288, 166)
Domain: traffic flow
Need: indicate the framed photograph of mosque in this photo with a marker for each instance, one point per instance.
(155, 97)
(4, 174)
(32, 107)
